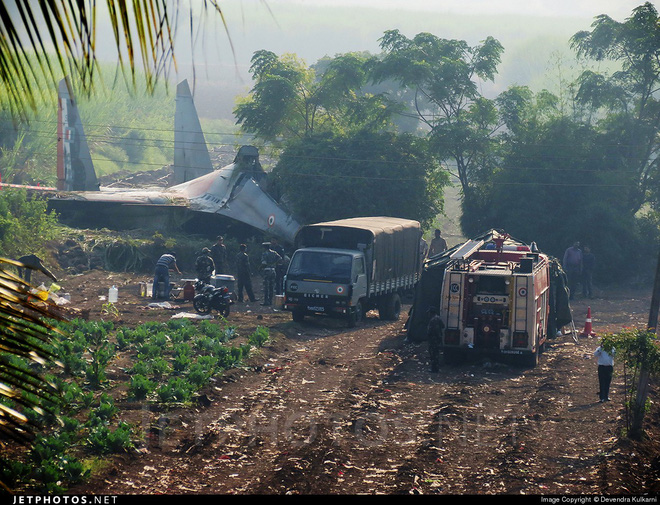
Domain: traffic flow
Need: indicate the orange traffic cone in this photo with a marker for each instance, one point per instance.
(587, 332)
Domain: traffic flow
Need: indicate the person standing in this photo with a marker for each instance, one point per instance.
(438, 244)
(204, 266)
(434, 334)
(244, 275)
(219, 255)
(572, 264)
(164, 264)
(280, 268)
(269, 260)
(605, 372)
(588, 264)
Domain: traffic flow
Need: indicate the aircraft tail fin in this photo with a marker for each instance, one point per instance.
(191, 156)
(75, 170)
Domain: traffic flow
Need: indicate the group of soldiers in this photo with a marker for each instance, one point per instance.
(274, 262)
(273, 266)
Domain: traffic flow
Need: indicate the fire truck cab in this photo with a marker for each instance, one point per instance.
(495, 300)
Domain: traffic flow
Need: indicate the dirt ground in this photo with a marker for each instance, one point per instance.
(327, 410)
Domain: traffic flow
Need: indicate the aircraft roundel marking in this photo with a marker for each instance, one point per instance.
(340, 289)
(522, 292)
(271, 220)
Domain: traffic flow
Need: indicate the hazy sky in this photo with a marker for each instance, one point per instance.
(618, 9)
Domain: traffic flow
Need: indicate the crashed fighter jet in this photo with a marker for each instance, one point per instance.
(204, 199)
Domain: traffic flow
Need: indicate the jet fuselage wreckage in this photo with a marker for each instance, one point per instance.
(204, 200)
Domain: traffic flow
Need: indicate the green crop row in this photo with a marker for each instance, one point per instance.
(168, 363)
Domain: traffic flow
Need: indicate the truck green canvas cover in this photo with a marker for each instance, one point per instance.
(390, 245)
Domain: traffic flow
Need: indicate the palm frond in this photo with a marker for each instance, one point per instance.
(25, 333)
(144, 32)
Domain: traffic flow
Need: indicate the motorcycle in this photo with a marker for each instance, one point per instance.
(209, 297)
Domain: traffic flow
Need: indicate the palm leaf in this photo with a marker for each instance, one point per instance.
(144, 32)
(26, 333)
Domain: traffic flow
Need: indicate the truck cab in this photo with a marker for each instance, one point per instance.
(326, 281)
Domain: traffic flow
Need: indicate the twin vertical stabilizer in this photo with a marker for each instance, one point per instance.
(75, 170)
(191, 156)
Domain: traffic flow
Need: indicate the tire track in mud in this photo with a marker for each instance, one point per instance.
(292, 429)
(508, 432)
(357, 412)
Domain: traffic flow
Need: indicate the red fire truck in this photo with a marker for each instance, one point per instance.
(496, 296)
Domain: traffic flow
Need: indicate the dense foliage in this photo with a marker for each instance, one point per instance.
(367, 174)
(579, 163)
(25, 224)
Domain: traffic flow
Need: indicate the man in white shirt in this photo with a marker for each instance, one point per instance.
(605, 371)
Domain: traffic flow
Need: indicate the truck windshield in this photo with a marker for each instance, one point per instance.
(318, 265)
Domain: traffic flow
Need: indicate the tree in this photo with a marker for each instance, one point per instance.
(555, 184)
(144, 33)
(329, 176)
(291, 101)
(443, 75)
(627, 98)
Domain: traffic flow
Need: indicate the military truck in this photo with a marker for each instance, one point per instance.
(347, 267)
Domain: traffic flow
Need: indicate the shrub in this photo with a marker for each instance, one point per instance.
(198, 376)
(104, 440)
(25, 224)
(259, 337)
(160, 367)
(176, 390)
(139, 368)
(140, 387)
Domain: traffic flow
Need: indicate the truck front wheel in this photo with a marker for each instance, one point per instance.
(355, 316)
(298, 315)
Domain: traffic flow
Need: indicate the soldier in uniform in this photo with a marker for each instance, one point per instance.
(280, 268)
(219, 255)
(269, 260)
(244, 274)
(434, 333)
(204, 266)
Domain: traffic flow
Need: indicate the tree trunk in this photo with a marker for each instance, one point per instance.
(643, 385)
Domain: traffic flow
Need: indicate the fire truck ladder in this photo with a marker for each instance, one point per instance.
(521, 297)
(454, 306)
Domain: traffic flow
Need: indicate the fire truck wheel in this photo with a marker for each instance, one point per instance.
(532, 359)
(453, 356)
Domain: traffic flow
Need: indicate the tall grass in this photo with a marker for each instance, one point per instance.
(125, 131)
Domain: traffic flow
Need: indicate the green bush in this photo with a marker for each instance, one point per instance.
(177, 389)
(198, 376)
(160, 367)
(259, 337)
(104, 440)
(25, 224)
(140, 387)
